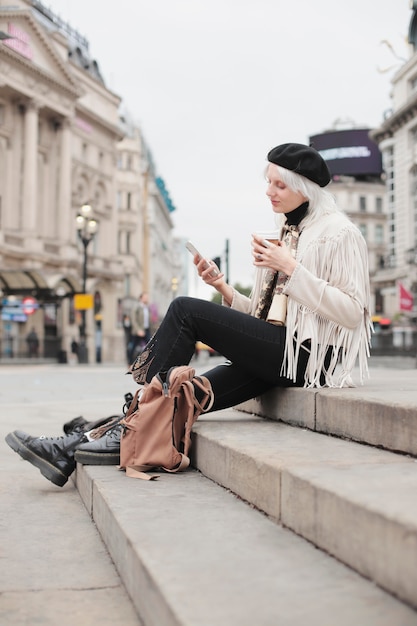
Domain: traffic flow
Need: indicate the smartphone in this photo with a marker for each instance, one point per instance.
(191, 247)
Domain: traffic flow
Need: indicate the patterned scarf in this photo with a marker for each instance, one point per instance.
(274, 281)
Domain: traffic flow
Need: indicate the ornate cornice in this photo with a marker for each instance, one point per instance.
(88, 114)
(70, 85)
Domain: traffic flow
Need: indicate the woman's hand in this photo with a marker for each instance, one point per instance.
(208, 271)
(275, 257)
(205, 270)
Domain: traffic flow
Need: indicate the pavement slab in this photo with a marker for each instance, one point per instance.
(55, 568)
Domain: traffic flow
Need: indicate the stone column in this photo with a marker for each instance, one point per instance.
(66, 227)
(30, 165)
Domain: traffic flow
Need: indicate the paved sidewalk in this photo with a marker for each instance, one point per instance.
(55, 568)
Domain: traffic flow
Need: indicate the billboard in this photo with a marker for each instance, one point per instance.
(349, 152)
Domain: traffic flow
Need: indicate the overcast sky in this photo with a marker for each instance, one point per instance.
(214, 84)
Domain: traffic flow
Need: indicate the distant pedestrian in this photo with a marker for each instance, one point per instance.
(74, 348)
(140, 331)
(128, 338)
(32, 341)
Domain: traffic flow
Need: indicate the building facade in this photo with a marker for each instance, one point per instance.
(364, 202)
(63, 144)
(146, 248)
(397, 140)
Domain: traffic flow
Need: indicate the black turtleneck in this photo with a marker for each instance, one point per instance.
(294, 217)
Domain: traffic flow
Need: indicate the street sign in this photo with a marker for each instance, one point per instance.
(29, 305)
(83, 301)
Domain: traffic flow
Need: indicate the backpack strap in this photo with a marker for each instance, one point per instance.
(184, 463)
(204, 384)
(135, 401)
(195, 408)
(137, 471)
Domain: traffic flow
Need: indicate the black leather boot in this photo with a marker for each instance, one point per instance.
(102, 451)
(53, 456)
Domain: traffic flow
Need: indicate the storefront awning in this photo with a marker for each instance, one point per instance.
(24, 282)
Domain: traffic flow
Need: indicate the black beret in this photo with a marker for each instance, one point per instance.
(302, 160)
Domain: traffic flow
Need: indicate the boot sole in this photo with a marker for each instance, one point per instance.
(46, 469)
(13, 442)
(97, 458)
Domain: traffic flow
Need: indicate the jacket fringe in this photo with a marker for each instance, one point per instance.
(342, 262)
(328, 303)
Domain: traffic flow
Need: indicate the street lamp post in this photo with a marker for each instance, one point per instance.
(87, 228)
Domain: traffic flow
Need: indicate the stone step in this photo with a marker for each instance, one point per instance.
(381, 413)
(353, 501)
(190, 553)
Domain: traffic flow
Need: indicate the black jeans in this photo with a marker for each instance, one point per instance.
(253, 347)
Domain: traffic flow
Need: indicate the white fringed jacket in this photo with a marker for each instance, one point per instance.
(328, 301)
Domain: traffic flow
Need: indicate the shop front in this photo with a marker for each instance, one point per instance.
(31, 316)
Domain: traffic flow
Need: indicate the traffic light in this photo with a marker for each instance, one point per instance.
(217, 261)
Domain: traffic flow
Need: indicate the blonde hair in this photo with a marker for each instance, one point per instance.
(320, 201)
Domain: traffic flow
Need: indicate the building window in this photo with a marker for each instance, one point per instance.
(128, 238)
(413, 84)
(379, 233)
(388, 159)
(378, 204)
(129, 201)
(364, 230)
(413, 136)
(362, 203)
(127, 284)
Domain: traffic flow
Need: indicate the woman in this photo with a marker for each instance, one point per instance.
(320, 265)
(327, 289)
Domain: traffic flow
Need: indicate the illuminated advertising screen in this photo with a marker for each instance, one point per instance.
(349, 152)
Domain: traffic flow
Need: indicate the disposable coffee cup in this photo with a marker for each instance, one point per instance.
(269, 235)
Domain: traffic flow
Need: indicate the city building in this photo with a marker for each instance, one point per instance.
(82, 209)
(397, 139)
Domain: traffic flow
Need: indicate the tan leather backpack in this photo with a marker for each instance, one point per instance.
(157, 427)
